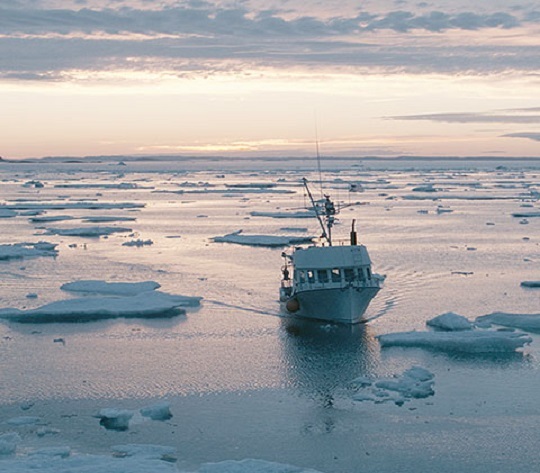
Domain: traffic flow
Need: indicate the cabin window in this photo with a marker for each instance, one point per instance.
(368, 273)
(301, 275)
(349, 274)
(361, 274)
(310, 276)
(336, 275)
(322, 275)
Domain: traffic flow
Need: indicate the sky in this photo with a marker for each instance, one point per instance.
(269, 78)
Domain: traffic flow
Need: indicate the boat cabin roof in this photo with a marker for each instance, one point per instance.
(327, 257)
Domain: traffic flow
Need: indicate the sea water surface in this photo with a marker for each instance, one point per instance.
(242, 380)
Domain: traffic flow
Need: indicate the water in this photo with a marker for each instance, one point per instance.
(244, 382)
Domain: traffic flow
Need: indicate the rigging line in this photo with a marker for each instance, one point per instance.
(318, 155)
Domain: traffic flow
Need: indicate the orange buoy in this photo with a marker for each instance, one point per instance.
(292, 305)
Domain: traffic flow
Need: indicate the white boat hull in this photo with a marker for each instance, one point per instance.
(342, 305)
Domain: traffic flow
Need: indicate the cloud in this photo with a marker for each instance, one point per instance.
(466, 117)
(38, 43)
(530, 136)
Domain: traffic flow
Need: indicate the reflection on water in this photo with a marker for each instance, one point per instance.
(322, 358)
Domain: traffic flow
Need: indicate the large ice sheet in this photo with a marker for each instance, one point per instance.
(27, 250)
(476, 341)
(527, 322)
(143, 305)
(261, 240)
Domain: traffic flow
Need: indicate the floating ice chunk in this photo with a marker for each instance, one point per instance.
(261, 240)
(450, 321)
(468, 341)
(122, 185)
(530, 283)
(144, 305)
(61, 452)
(528, 322)
(416, 383)
(115, 419)
(150, 452)
(424, 188)
(361, 381)
(159, 411)
(52, 218)
(138, 243)
(35, 184)
(8, 443)
(304, 214)
(27, 250)
(90, 232)
(23, 420)
(87, 204)
(42, 431)
(7, 213)
(294, 229)
(108, 218)
(252, 466)
(111, 288)
(526, 214)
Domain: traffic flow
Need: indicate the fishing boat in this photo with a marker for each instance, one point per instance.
(327, 281)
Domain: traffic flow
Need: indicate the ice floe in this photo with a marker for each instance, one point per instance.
(530, 283)
(527, 322)
(108, 218)
(138, 243)
(115, 419)
(112, 288)
(122, 185)
(148, 304)
(414, 383)
(90, 232)
(303, 214)
(86, 205)
(23, 420)
(158, 411)
(8, 443)
(261, 240)
(526, 214)
(48, 219)
(464, 341)
(450, 321)
(7, 213)
(27, 250)
(131, 459)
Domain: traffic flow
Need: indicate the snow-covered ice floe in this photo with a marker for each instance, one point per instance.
(450, 321)
(527, 322)
(115, 419)
(132, 459)
(304, 214)
(414, 383)
(91, 232)
(148, 304)
(27, 250)
(261, 240)
(114, 288)
(464, 341)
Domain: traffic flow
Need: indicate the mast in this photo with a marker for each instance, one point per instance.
(329, 213)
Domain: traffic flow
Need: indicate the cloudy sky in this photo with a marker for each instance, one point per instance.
(266, 77)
